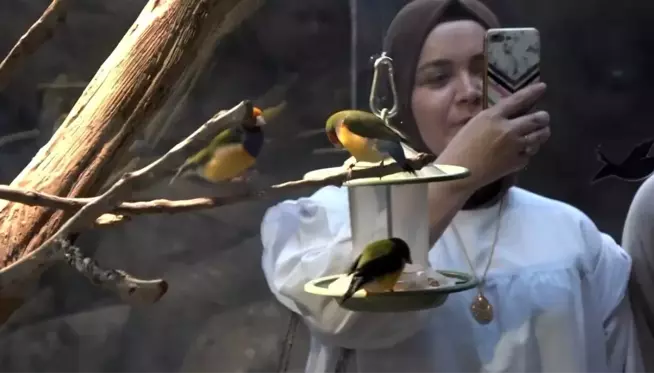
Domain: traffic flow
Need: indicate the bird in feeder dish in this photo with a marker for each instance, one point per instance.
(417, 289)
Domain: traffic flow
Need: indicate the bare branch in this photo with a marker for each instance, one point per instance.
(39, 33)
(50, 249)
(19, 136)
(171, 206)
(128, 288)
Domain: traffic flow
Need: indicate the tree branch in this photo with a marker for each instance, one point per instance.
(128, 288)
(53, 250)
(39, 33)
(176, 206)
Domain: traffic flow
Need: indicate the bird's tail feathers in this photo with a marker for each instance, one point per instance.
(355, 285)
(407, 168)
(402, 136)
(396, 152)
(182, 169)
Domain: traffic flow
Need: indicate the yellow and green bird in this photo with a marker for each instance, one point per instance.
(230, 154)
(380, 264)
(367, 137)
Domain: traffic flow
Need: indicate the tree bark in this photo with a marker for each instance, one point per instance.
(154, 61)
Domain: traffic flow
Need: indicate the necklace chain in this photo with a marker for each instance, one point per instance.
(481, 308)
(492, 250)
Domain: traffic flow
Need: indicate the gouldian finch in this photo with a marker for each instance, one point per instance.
(230, 154)
(367, 137)
(380, 265)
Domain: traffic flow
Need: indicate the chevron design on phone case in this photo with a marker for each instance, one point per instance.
(513, 61)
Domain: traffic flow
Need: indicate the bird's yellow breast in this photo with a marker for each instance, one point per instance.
(384, 283)
(358, 146)
(228, 162)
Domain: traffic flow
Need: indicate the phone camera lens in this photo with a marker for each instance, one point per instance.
(497, 38)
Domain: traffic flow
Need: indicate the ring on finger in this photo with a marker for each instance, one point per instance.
(530, 150)
(531, 144)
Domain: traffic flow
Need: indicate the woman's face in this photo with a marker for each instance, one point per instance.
(448, 82)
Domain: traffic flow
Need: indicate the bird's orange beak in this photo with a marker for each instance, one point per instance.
(256, 112)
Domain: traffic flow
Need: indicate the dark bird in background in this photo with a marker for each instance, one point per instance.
(380, 265)
(636, 167)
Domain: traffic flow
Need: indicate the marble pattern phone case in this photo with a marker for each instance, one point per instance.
(512, 60)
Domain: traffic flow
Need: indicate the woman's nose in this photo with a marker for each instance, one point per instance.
(469, 89)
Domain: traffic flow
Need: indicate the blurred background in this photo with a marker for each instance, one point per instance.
(310, 58)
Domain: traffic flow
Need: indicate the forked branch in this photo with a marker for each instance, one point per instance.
(126, 286)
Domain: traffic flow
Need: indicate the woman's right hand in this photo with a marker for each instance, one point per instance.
(491, 145)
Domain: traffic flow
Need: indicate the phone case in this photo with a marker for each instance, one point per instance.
(512, 61)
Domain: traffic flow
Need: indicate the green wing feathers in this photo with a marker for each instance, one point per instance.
(375, 250)
(226, 137)
(369, 125)
(354, 265)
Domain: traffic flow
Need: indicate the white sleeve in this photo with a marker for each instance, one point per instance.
(638, 241)
(310, 238)
(608, 279)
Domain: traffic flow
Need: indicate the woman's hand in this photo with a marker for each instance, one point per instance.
(491, 145)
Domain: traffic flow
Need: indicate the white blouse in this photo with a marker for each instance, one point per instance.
(557, 286)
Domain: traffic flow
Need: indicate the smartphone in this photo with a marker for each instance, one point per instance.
(512, 61)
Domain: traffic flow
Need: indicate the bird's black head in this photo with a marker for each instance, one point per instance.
(402, 248)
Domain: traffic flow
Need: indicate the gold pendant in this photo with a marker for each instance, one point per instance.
(481, 309)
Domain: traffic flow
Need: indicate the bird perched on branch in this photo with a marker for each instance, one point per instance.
(230, 154)
(367, 138)
(380, 264)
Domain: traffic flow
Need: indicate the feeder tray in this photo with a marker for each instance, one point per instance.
(396, 301)
(428, 174)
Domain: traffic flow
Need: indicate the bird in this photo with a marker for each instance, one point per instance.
(229, 155)
(367, 138)
(636, 167)
(380, 265)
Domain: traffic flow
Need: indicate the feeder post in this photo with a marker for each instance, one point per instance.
(383, 211)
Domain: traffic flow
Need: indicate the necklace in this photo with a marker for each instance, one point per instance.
(481, 308)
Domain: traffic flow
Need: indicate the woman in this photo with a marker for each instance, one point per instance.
(555, 283)
(638, 241)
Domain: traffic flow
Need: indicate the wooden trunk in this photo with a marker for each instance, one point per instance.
(152, 65)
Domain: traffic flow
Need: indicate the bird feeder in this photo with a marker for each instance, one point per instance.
(394, 206)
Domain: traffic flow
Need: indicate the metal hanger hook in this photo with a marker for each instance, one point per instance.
(384, 113)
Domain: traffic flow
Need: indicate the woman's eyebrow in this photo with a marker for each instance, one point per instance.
(434, 64)
(445, 63)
